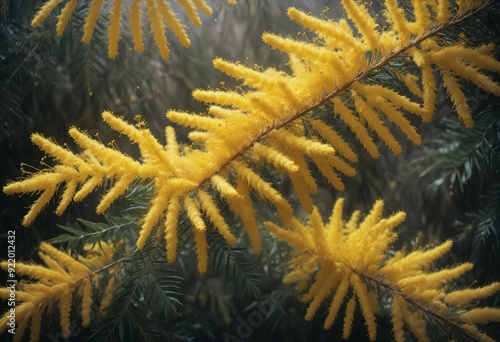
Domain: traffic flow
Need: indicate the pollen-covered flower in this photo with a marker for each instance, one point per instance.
(348, 264)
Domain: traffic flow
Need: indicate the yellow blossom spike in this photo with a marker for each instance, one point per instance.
(361, 132)
(63, 258)
(324, 57)
(395, 116)
(303, 175)
(201, 250)
(428, 81)
(86, 302)
(36, 323)
(203, 7)
(172, 147)
(416, 324)
(158, 28)
(228, 98)
(114, 28)
(373, 217)
(469, 295)
(335, 225)
(366, 111)
(51, 263)
(87, 187)
(323, 291)
(481, 316)
(349, 318)
(415, 261)
(189, 9)
(473, 75)
(44, 12)
(108, 296)
(174, 23)
(338, 298)
(64, 309)
(195, 121)
(480, 56)
(422, 17)
(91, 20)
(55, 150)
(38, 205)
(171, 239)
(327, 169)
(250, 77)
(116, 191)
(305, 145)
(397, 322)
(265, 190)
(364, 22)
(198, 137)
(366, 305)
(225, 189)
(395, 15)
(435, 279)
(292, 238)
(314, 289)
(398, 100)
(443, 13)
(243, 207)
(281, 161)
(335, 34)
(108, 156)
(63, 18)
(172, 187)
(194, 214)
(136, 25)
(319, 235)
(302, 191)
(217, 219)
(335, 140)
(66, 197)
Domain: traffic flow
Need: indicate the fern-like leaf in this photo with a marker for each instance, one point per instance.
(93, 232)
(237, 269)
(148, 294)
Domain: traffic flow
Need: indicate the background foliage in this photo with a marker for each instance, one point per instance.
(449, 187)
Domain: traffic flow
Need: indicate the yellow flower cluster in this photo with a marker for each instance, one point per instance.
(159, 14)
(55, 284)
(350, 262)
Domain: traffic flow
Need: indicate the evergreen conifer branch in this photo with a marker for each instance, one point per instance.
(148, 293)
(350, 260)
(265, 121)
(159, 15)
(56, 283)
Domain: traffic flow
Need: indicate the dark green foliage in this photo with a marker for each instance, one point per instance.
(232, 264)
(93, 232)
(147, 296)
